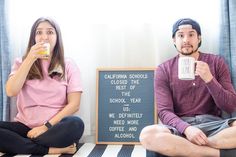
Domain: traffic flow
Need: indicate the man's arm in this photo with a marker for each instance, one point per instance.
(219, 86)
(164, 101)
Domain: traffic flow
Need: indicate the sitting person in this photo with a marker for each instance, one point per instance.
(48, 90)
(191, 110)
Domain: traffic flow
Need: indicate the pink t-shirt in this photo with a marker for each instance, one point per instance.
(39, 100)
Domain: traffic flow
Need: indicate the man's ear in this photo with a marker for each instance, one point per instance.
(199, 38)
(199, 41)
(174, 41)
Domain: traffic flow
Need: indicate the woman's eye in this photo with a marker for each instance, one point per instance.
(38, 32)
(50, 32)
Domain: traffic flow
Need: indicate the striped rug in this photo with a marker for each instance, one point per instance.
(101, 150)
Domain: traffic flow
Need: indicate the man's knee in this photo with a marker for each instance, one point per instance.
(233, 123)
(149, 133)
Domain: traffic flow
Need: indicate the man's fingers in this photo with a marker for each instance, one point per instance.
(202, 140)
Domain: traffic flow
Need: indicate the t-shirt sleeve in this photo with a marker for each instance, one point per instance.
(73, 77)
(15, 66)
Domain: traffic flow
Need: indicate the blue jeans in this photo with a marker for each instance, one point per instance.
(14, 140)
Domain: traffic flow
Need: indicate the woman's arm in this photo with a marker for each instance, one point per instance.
(16, 81)
(72, 106)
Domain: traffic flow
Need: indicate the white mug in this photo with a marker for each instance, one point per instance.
(186, 68)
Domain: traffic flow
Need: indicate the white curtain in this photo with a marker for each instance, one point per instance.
(113, 33)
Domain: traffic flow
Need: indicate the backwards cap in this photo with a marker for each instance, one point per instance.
(186, 21)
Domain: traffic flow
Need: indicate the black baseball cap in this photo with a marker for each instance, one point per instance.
(186, 21)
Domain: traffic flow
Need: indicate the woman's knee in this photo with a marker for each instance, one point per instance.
(75, 124)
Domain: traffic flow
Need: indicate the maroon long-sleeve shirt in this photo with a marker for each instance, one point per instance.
(176, 98)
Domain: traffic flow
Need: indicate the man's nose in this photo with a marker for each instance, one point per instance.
(186, 39)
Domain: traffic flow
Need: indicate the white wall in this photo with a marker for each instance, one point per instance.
(113, 33)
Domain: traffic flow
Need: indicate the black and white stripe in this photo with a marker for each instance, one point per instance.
(101, 150)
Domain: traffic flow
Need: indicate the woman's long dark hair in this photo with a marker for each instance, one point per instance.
(57, 58)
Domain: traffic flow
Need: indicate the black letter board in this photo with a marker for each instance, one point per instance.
(125, 104)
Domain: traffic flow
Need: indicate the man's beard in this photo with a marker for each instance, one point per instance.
(188, 53)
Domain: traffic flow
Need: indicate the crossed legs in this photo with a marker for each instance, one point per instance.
(159, 139)
(59, 139)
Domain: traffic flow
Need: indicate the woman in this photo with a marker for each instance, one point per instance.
(48, 90)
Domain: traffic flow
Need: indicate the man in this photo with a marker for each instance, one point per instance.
(191, 109)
